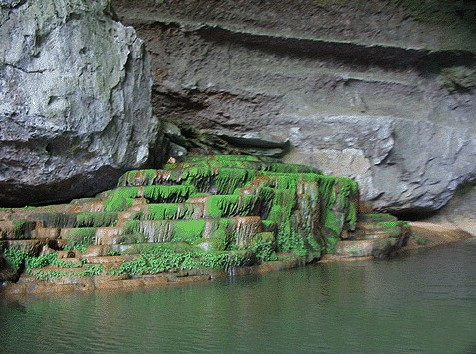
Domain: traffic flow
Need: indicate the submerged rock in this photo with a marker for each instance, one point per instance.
(206, 212)
(75, 107)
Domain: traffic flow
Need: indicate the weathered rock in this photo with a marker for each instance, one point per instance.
(174, 134)
(74, 100)
(400, 164)
(460, 210)
(6, 271)
(253, 143)
(383, 91)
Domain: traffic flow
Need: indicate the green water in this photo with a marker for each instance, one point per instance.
(423, 303)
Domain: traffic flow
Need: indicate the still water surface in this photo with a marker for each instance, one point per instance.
(423, 303)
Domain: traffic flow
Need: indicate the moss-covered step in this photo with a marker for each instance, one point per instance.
(376, 217)
(16, 229)
(206, 212)
(241, 161)
(376, 239)
(377, 248)
(381, 229)
(198, 207)
(239, 230)
(122, 198)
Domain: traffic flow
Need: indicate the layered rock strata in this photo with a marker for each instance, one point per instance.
(207, 212)
(382, 91)
(75, 108)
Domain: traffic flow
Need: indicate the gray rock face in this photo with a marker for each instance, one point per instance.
(75, 106)
(383, 91)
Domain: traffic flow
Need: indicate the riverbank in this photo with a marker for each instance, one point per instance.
(424, 235)
(208, 217)
(30, 286)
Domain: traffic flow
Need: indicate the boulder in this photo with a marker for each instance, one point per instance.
(75, 108)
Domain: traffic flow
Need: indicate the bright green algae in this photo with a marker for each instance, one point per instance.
(216, 211)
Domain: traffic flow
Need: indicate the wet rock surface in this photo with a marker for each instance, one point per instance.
(75, 108)
(382, 91)
(217, 212)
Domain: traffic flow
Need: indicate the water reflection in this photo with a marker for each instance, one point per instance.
(423, 303)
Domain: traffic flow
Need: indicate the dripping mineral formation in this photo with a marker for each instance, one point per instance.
(215, 212)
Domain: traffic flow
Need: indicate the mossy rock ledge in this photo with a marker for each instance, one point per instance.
(209, 213)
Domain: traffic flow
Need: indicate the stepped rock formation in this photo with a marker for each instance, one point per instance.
(383, 91)
(75, 108)
(207, 212)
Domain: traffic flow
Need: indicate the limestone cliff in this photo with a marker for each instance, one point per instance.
(383, 91)
(75, 106)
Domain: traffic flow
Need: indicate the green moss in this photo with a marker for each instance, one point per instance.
(168, 194)
(167, 211)
(280, 213)
(41, 261)
(302, 212)
(131, 238)
(165, 257)
(290, 168)
(332, 222)
(139, 178)
(15, 258)
(23, 228)
(153, 230)
(264, 247)
(96, 219)
(391, 224)
(222, 229)
(89, 270)
(213, 243)
(142, 248)
(241, 162)
(83, 236)
(393, 228)
(231, 205)
(166, 230)
(78, 247)
(420, 240)
(230, 179)
(351, 217)
(53, 219)
(373, 217)
(269, 225)
(218, 161)
(188, 230)
(17, 229)
(131, 227)
(332, 227)
(121, 199)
